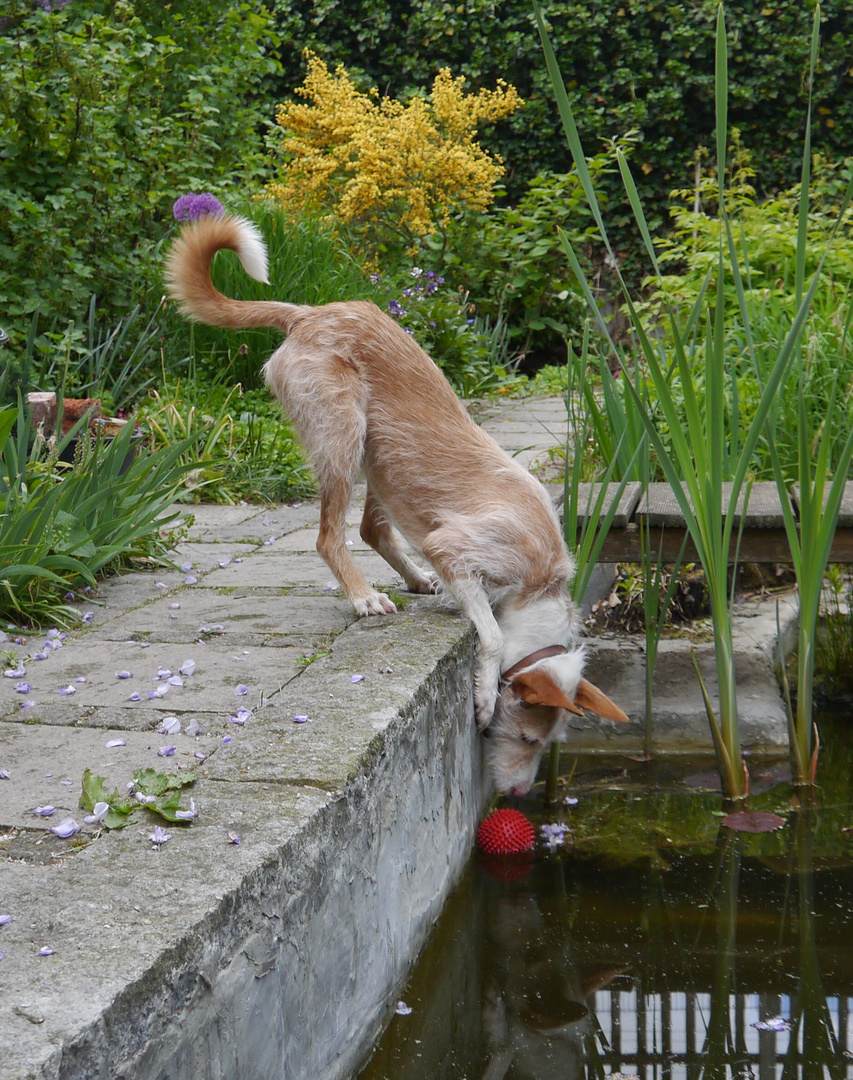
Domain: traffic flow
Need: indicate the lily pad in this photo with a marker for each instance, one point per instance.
(753, 821)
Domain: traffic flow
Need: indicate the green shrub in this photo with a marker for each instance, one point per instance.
(108, 111)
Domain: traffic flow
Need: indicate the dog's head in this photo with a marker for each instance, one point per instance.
(533, 711)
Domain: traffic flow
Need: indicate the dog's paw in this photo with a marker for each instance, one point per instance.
(375, 603)
(424, 584)
(484, 707)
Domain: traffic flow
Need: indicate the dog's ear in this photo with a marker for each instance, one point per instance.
(536, 687)
(590, 697)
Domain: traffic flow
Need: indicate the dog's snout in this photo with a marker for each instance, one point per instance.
(486, 733)
(519, 791)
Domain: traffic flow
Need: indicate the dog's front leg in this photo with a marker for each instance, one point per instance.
(474, 602)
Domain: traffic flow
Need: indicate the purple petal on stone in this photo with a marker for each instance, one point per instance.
(226, 738)
(166, 751)
(356, 678)
(5, 920)
(15, 673)
(43, 655)
(170, 725)
(88, 616)
(135, 696)
(46, 951)
(100, 810)
(80, 678)
(174, 607)
(233, 838)
(67, 691)
(193, 728)
(187, 667)
(146, 800)
(186, 567)
(4, 774)
(241, 690)
(224, 562)
(124, 675)
(67, 783)
(301, 719)
(22, 688)
(175, 680)
(187, 815)
(44, 811)
(67, 827)
(162, 673)
(28, 704)
(159, 836)
(159, 692)
(201, 757)
(162, 585)
(403, 1009)
(2, 955)
(53, 633)
(113, 743)
(190, 579)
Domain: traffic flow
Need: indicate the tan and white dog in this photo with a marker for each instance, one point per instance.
(365, 398)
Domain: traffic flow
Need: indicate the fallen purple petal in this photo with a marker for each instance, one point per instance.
(775, 1023)
(88, 616)
(4, 774)
(43, 655)
(28, 704)
(201, 757)
(159, 692)
(193, 728)
(80, 678)
(124, 675)
(301, 719)
(356, 678)
(46, 951)
(175, 680)
(146, 800)
(403, 1009)
(99, 812)
(159, 836)
(226, 738)
(170, 725)
(22, 688)
(187, 667)
(241, 690)
(224, 562)
(135, 696)
(113, 743)
(570, 800)
(162, 673)
(186, 567)
(166, 751)
(44, 811)
(67, 827)
(67, 691)
(233, 838)
(5, 920)
(187, 815)
(190, 579)
(174, 607)
(15, 673)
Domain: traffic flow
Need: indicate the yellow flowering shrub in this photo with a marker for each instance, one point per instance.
(377, 161)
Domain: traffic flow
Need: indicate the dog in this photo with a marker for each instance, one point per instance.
(365, 398)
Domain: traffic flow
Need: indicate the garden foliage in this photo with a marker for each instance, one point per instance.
(110, 109)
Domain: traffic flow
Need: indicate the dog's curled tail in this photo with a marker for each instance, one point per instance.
(188, 282)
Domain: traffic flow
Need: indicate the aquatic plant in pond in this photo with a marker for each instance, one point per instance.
(696, 399)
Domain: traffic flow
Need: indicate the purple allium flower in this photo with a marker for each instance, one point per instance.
(67, 827)
(159, 836)
(191, 206)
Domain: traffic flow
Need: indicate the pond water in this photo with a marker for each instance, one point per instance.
(655, 942)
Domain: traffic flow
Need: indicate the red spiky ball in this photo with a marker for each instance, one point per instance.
(506, 832)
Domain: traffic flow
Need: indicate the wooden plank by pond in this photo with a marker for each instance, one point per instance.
(763, 510)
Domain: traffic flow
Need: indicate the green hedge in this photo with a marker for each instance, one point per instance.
(628, 64)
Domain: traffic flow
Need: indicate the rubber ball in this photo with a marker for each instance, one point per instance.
(506, 832)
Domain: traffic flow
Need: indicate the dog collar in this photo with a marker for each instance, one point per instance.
(533, 658)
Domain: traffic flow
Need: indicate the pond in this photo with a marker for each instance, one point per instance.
(654, 942)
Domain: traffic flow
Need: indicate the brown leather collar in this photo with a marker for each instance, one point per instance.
(533, 658)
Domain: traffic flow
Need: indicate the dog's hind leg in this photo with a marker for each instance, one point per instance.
(376, 531)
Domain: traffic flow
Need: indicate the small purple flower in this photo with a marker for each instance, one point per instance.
(162, 673)
(233, 838)
(146, 800)
(87, 617)
(240, 717)
(191, 206)
(5, 920)
(190, 579)
(186, 567)
(187, 815)
(67, 827)
(124, 675)
(4, 774)
(43, 655)
(301, 719)
(170, 725)
(241, 690)
(166, 751)
(356, 678)
(22, 688)
(159, 836)
(28, 704)
(193, 728)
(135, 696)
(99, 812)
(159, 692)
(113, 743)
(67, 691)
(15, 673)
(44, 811)
(46, 951)
(187, 667)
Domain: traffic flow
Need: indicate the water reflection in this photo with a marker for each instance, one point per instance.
(682, 967)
